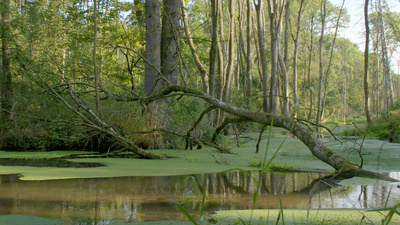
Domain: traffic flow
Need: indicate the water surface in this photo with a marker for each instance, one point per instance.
(134, 199)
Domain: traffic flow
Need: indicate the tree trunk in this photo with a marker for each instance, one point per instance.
(213, 48)
(309, 63)
(6, 79)
(153, 47)
(303, 133)
(275, 12)
(249, 76)
(321, 68)
(220, 75)
(330, 60)
(284, 64)
(96, 74)
(385, 59)
(199, 65)
(295, 56)
(366, 57)
(377, 93)
(227, 97)
(169, 41)
(262, 54)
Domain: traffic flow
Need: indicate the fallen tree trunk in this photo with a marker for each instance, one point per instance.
(95, 122)
(317, 148)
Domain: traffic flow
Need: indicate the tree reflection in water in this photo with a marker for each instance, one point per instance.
(149, 198)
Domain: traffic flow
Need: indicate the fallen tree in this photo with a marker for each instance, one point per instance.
(303, 133)
(317, 148)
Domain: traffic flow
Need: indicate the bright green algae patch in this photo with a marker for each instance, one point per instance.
(302, 216)
(27, 220)
(182, 162)
(293, 154)
(290, 216)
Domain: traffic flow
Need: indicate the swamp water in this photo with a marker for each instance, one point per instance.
(135, 199)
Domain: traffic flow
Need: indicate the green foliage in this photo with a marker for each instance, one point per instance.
(386, 127)
(281, 167)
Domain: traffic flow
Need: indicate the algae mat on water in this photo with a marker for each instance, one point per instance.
(293, 154)
(182, 162)
(304, 217)
(290, 217)
(27, 220)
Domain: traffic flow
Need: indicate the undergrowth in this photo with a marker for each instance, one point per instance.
(386, 127)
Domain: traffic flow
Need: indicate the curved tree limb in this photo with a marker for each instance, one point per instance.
(189, 132)
(317, 148)
(226, 122)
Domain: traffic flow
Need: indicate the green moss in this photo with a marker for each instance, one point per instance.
(300, 216)
(52, 162)
(27, 220)
(184, 162)
(281, 167)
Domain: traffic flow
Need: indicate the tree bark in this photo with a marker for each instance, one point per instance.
(330, 60)
(199, 65)
(153, 47)
(262, 55)
(366, 58)
(284, 64)
(213, 48)
(275, 12)
(227, 97)
(96, 74)
(7, 98)
(321, 68)
(249, 76)
(169, 41)
(295, 57)
(385, 57)
(309, 63)
(304, 134)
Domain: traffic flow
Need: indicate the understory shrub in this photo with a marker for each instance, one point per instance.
(386, 127)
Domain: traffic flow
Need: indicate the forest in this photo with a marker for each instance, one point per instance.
(114, 76)
(204, 111)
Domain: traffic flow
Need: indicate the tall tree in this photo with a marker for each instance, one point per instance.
(275, 12)
(283, 62)
(366, 58)
(249, 77)
(199, 65)
(385, 58)
(153, 47)
(213, 47)
(310, 54)
(231, 54)
(330, 58)
(321, 68)
(262, 54)
(96, 74)
(295, 57)
(6, 80)
(169, 41)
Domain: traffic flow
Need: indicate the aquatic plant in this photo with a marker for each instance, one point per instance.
(201, 194)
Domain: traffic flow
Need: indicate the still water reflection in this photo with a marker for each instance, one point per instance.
(134, 199)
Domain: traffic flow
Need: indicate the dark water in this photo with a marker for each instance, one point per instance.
(134, 199)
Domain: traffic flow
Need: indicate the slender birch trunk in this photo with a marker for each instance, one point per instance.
(262, 54)
(295, 57)
(321, 68)
(309, 63)
(366, 60)
(249, 77)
